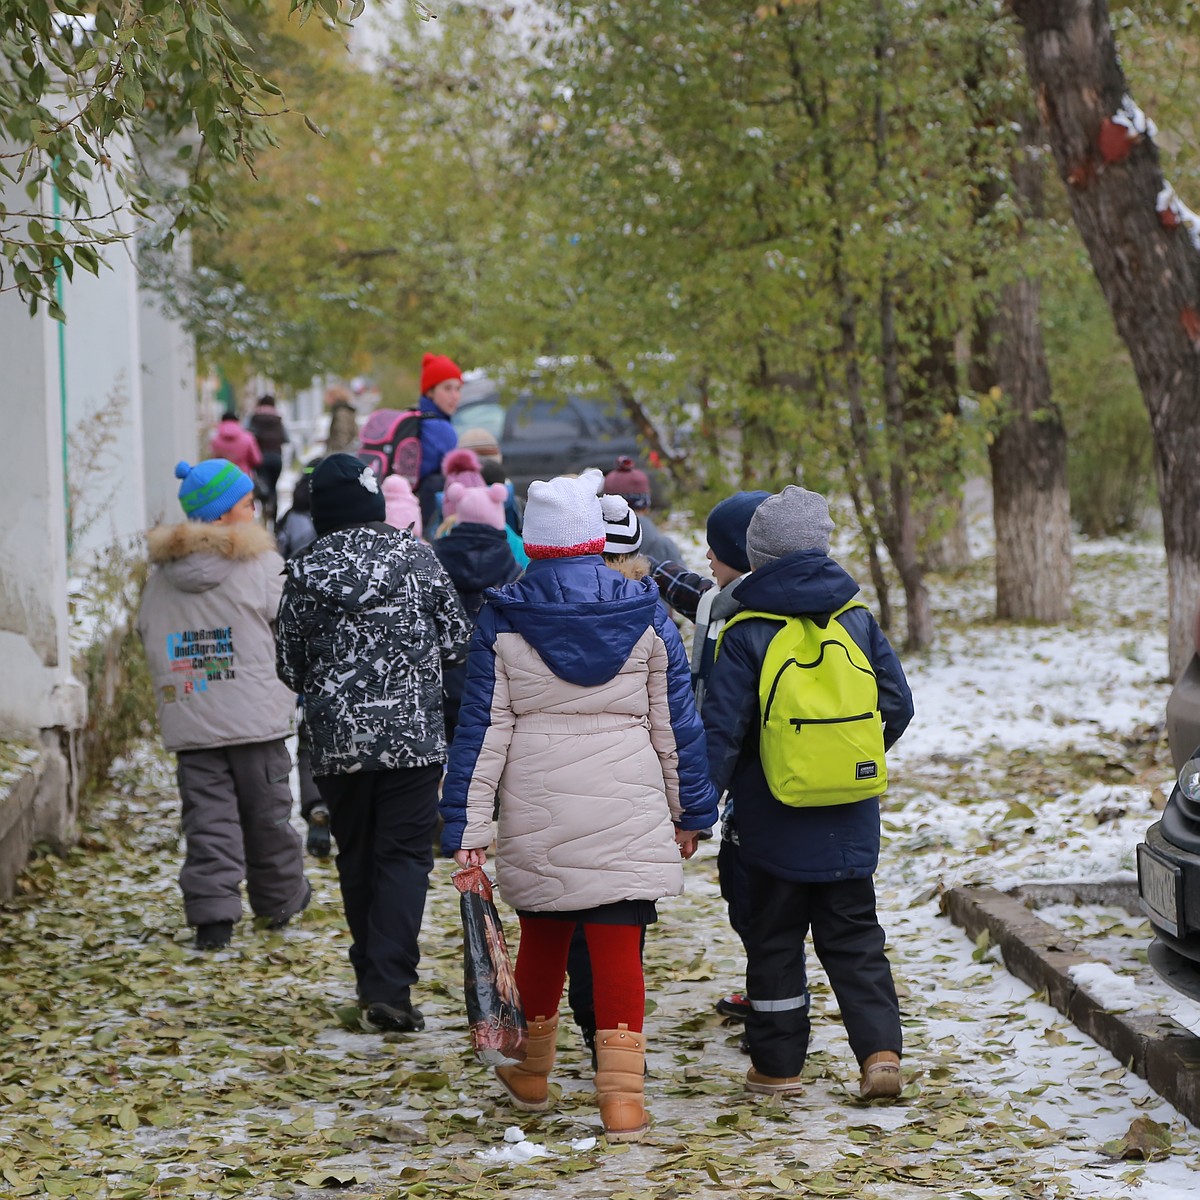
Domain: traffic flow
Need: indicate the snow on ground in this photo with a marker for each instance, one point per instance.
(132, 1066)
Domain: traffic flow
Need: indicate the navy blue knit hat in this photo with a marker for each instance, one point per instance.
(345, 492)
(727, 525)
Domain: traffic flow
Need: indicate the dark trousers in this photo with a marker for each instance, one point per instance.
(848, 940)
(310, 794)
(237, 807)
(735, 885)
(383, 822)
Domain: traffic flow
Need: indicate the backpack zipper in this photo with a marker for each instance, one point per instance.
(797, 662)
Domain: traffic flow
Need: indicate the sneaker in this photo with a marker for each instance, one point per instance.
(772, 1085)
(215, 935)
(282, 921)
(880, 1076)
(736, 1007)
(400, 1017)
(319, 842)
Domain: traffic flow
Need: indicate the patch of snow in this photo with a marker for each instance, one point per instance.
(1115, 992)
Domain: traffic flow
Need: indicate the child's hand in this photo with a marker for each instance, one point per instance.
(471, 858)
(686, 840)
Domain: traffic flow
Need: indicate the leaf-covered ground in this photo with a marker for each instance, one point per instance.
(132, 1066)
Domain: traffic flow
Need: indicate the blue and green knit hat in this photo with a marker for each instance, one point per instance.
(211, 488)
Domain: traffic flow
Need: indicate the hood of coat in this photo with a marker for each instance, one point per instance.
(578, 614)
(476, 557)
(197, 556)
(229, 434)
(805, 583)
(358, 567)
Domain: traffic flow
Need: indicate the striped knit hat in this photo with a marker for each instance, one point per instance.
(563, 517)
(622, 529)
(211, 488)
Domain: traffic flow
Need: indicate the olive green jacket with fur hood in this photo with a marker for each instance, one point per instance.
(206, 620)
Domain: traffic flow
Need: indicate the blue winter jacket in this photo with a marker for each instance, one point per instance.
(583, 620)
(438, 438)
(809, 845)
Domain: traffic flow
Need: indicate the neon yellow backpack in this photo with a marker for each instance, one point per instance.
(821, 740)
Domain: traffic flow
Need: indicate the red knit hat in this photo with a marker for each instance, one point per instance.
(435, 369)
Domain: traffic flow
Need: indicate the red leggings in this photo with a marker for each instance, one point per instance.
(618, 986)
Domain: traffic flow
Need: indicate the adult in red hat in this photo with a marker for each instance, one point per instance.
(441, 390)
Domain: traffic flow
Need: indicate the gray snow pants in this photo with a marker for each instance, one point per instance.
(237, 805)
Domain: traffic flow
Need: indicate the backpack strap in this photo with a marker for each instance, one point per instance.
(749, 613)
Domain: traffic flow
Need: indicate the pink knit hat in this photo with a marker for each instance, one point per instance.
(479, 505)
(403, 509)
(460, 466)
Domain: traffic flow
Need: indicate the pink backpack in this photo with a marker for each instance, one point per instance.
(391, 443)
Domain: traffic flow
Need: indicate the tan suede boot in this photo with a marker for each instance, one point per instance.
(880, 1076)
(528, 1083)
(620, 1076)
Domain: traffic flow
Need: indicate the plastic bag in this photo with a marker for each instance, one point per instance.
(498, 1031)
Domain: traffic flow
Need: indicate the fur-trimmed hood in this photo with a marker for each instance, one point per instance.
(198, 556)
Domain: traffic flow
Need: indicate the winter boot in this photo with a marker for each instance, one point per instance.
(215, 935)
(880, 1076)
(620, 1083)
(772, 1085)
(319, 843)
(528, 1083)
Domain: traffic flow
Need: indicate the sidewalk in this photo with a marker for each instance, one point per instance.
(132, 1062)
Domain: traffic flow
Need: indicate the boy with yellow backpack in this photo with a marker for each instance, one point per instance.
(805, 696)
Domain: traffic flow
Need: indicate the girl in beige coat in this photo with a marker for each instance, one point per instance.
(578, 715)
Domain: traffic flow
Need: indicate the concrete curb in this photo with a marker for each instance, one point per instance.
(1161, 1051)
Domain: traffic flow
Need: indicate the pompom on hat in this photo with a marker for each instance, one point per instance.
(478, 505)
(435, 369)
(622, 529)
(794, 519)
(345, 492)
(211, 488)
(563, 518)
(628, 481)
(460, 466)
(402, 508)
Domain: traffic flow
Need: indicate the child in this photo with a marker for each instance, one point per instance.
(710, 607)
(235, 444)
(623, 538)
(634, 484)
(368, 618)
(402, 510)
(206, 621)
(810, 865)
(578, 716)
(476, 556)
(294, 533)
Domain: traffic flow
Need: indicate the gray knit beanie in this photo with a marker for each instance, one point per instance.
(795, 519)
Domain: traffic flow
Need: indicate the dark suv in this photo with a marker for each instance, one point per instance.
(1168, 861)
(541, 437)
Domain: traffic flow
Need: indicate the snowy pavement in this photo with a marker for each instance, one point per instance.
(131, 1066)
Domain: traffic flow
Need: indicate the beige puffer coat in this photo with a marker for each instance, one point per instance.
(589, 776)
(206, 621)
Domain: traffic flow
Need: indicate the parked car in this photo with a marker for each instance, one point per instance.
(1168, 861)
(542, 436)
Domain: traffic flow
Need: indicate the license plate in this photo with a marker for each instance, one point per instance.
(1160, 885)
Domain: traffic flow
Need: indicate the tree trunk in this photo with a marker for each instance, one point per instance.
(1031, 503)
(1149, 273)
(675, 462)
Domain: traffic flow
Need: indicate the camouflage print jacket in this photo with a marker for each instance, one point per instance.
(367, 620)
